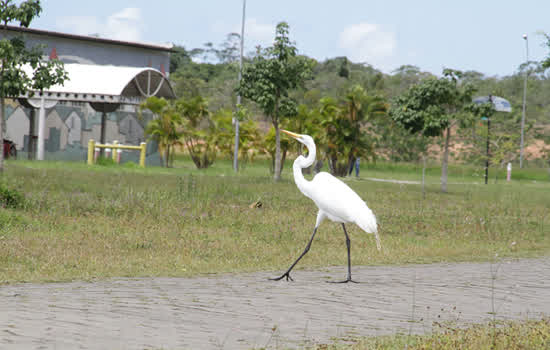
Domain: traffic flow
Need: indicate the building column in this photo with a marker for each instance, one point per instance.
(43, 104)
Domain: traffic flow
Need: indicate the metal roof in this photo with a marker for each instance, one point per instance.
(160, 47)
(111, 84)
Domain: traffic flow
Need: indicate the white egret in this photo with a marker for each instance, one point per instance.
(336, 201)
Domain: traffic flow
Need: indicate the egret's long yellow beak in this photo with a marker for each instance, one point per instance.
(290, 133)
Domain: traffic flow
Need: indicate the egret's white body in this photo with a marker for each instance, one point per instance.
(335, 200)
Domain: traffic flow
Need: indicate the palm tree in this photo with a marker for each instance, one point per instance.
(164, 128)
(198, 130)
(345, 125)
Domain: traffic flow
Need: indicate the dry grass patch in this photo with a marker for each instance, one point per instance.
(528, 335)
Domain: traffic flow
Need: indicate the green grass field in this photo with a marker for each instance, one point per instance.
(80, 222)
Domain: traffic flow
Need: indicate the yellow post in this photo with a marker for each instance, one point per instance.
(91, 149)
(114, 149)
(143, 147)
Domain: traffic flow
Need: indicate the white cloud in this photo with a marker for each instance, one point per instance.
(367, 42)
(122, 25)
(258, 33)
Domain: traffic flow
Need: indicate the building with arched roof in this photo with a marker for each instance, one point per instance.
(107, 81)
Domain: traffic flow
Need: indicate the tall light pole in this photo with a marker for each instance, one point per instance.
(524, 99)
(236, 153)
(487, 146)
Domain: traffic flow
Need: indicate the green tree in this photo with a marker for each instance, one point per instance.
(397, 144)
(403, 78)
(164, 128)
(503, 137)
(336, 135)
(230, 48)
(361, 108)
(15, 56)
(268, 79)
(433, 107)
(198, 130)
(347, 127)
(224, 138)
(178, 58)
(546, 61)
(268, 146)
(307, 121)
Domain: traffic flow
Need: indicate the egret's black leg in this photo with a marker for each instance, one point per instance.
(287, 273)
(348, 245)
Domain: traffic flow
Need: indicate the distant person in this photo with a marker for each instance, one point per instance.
(356, 165)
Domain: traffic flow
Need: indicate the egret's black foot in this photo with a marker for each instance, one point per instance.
(287, 275)
(344, 281)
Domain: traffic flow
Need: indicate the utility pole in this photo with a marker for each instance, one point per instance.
(524, 99)
(236, 153)
(488, 139)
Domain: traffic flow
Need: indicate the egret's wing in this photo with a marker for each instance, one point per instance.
(336, 198)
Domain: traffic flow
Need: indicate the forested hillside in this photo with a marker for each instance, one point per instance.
(211, 72)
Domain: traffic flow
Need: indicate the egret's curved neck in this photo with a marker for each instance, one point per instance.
(300, 163)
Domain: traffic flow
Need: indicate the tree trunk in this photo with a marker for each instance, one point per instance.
(2, 102)
(161, 156)
(445, 161)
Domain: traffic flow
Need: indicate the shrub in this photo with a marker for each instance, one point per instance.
(105, 161)
(10, 198)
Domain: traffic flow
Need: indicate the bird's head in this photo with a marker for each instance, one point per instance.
(304, 139)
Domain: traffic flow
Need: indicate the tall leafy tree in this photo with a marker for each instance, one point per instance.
(14, 55)
(269, 78)
(433, 107)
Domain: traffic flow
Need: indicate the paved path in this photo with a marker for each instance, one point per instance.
(245, 311)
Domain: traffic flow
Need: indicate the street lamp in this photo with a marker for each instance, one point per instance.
(498, 104)
(236, 151)
(524, 99)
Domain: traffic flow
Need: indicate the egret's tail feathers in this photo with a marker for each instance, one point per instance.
(368, 224)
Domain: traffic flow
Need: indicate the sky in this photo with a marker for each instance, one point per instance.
(481, 35)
